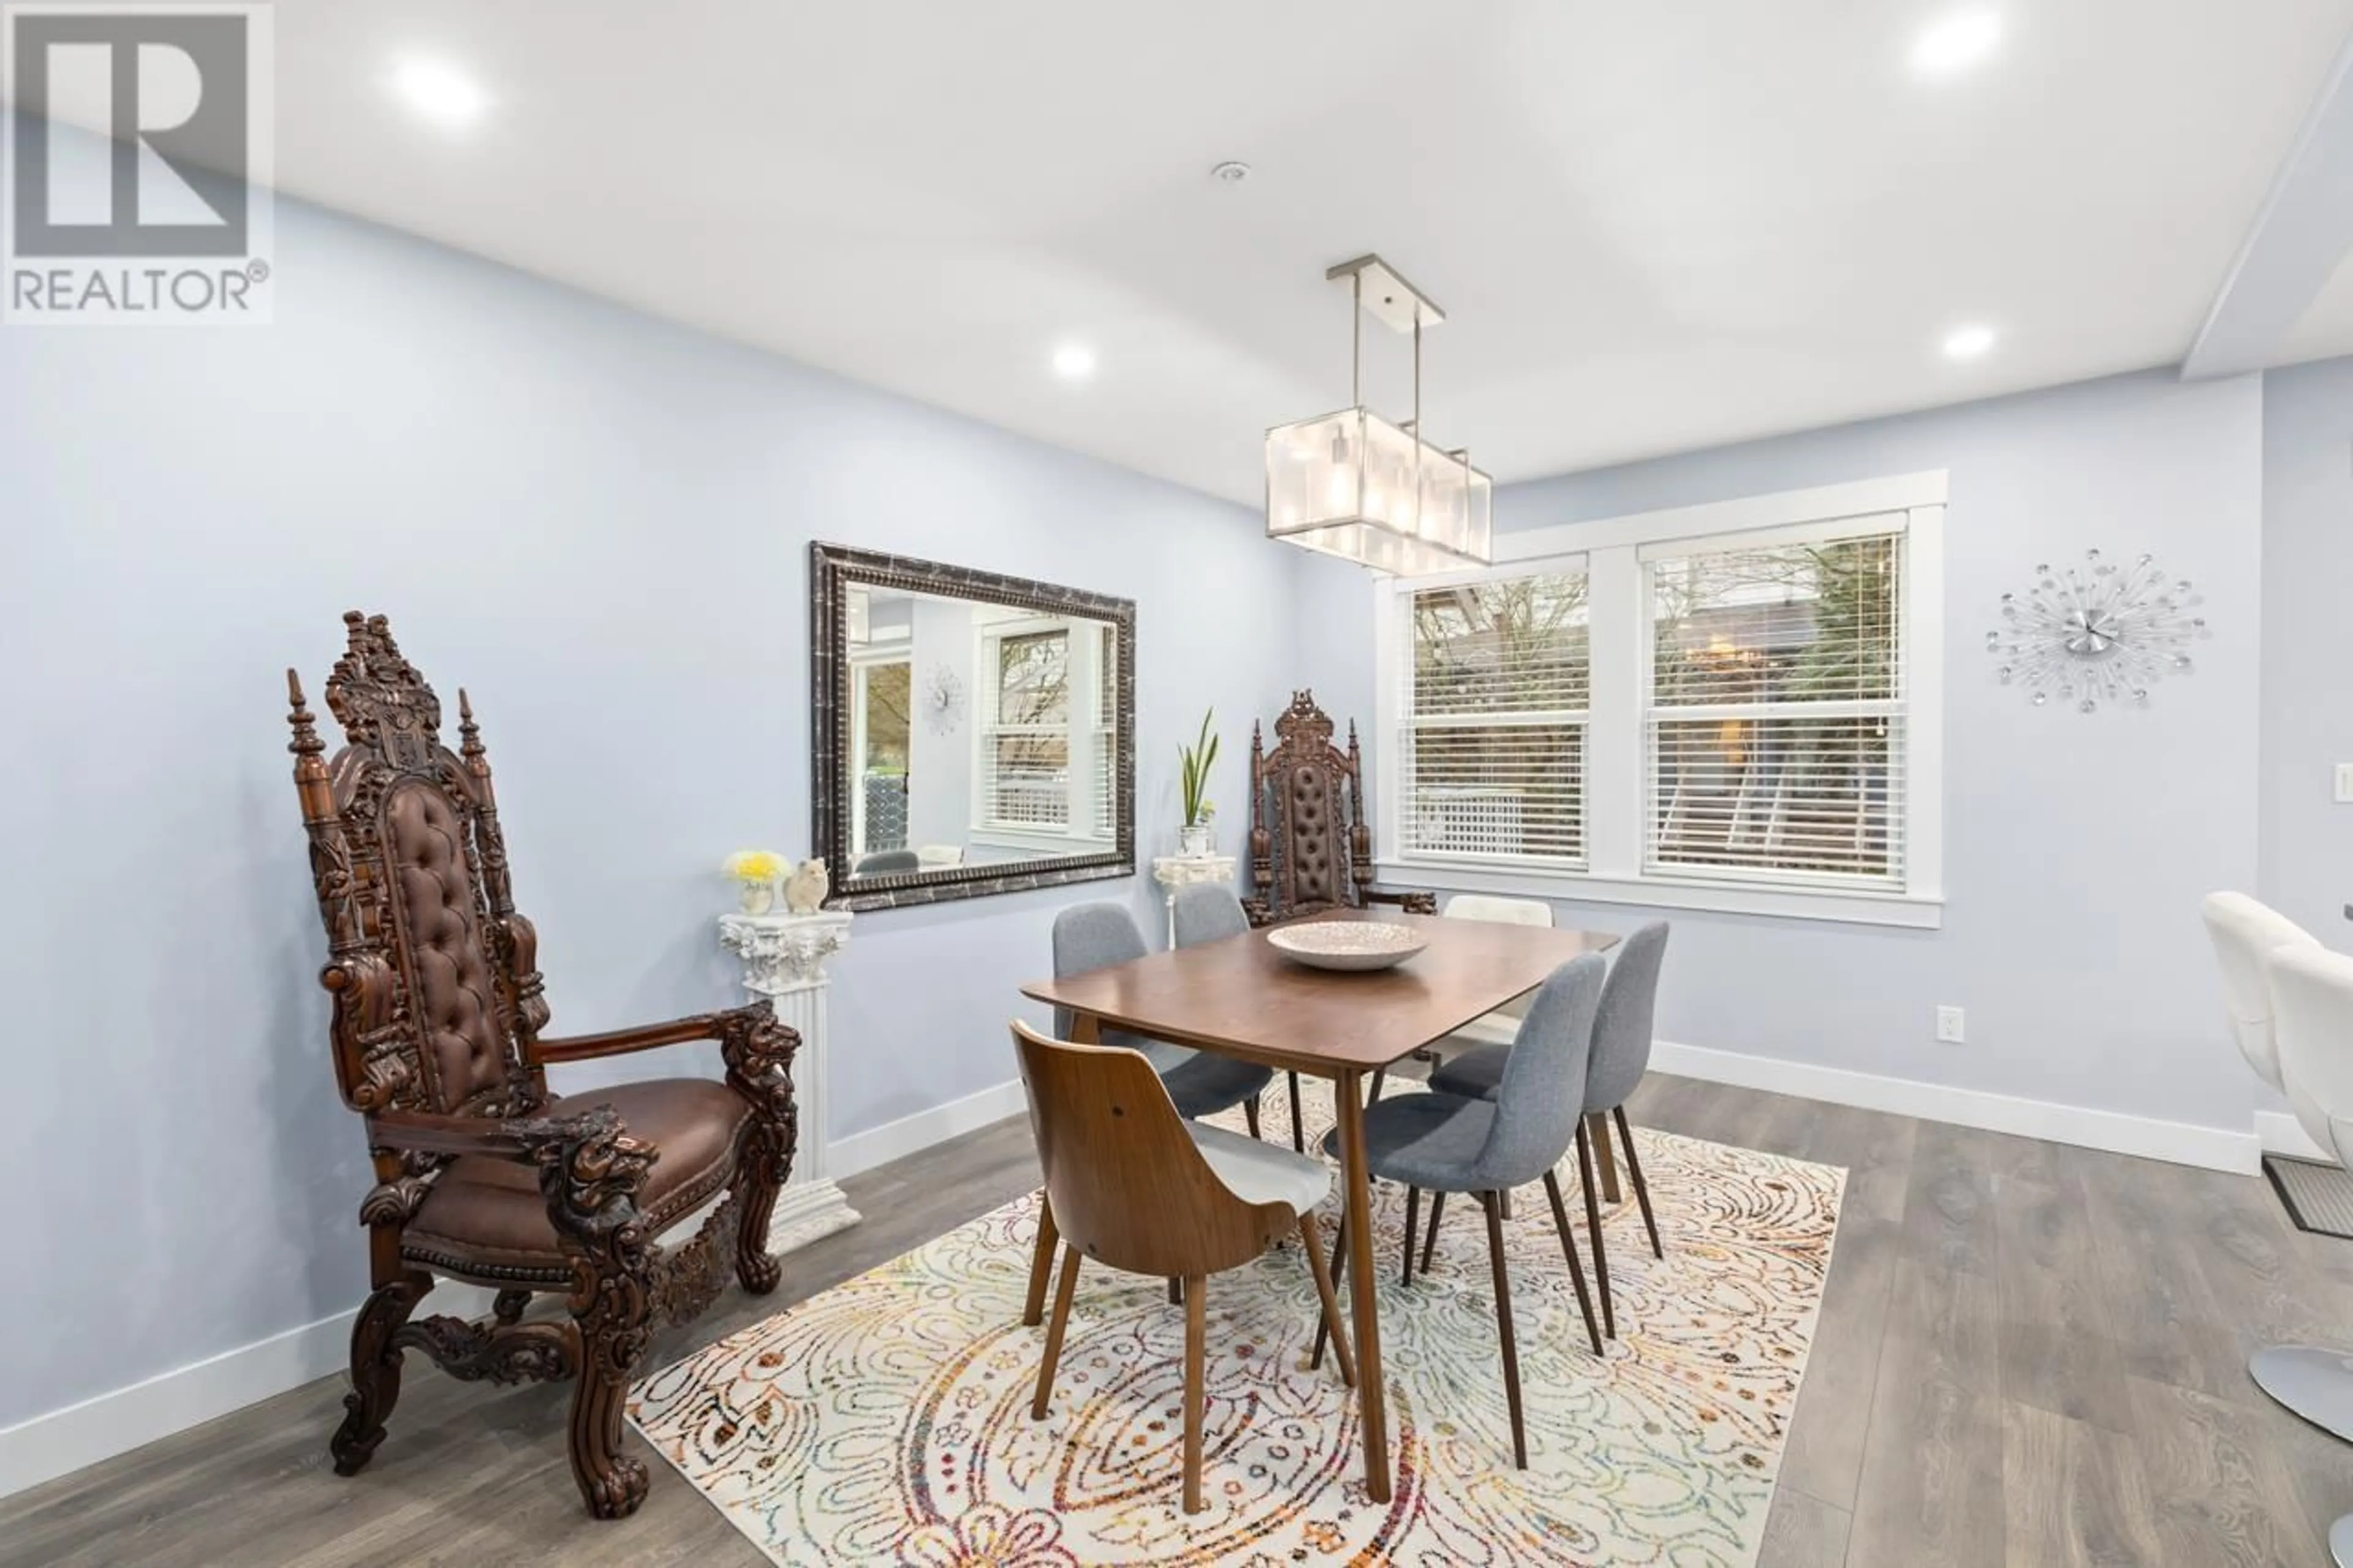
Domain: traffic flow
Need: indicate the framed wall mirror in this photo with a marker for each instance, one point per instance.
(973, 733)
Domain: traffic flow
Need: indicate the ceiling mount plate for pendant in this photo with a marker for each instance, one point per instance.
(1386, 296)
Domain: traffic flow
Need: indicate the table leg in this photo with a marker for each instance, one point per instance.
(1372, 1391)
(1605, 1154)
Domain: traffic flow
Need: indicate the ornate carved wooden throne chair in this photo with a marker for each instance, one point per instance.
(481, 1174)
(1311, 848)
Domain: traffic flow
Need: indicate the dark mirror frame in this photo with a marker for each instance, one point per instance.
(834, 570)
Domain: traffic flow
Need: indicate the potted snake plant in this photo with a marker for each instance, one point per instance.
(1197, 838)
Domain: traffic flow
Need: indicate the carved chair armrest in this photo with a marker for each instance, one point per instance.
(758, 1049)
(620, 1042)
(1413, 902)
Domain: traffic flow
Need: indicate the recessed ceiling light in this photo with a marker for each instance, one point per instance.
(1074, 362)
(1961, 39)
(1969, 342)
(440, 92)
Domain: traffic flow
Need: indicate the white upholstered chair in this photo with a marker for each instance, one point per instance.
(2245, 933)
(1500, 1027)
(2312, 1002)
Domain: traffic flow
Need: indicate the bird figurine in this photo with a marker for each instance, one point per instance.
(806, 890)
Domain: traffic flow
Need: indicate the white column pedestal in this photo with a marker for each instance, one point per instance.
(784, 960)
(1175, 872)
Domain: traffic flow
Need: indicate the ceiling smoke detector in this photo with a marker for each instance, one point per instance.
(1230, 173)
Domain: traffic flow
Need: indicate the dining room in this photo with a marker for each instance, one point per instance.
(1041, 786)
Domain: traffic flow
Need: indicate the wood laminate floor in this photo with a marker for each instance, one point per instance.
(2029, 1355)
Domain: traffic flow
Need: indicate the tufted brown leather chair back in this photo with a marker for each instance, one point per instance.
(436, 993)
(1309, 849)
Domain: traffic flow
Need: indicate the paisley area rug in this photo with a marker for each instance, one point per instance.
(887, 1420)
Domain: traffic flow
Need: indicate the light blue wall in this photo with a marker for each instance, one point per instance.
(2307, 851)
(598, 523)
(2077, 847)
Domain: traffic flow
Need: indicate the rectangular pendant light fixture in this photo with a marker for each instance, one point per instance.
(1354, 485)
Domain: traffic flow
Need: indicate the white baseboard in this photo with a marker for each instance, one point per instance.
(63, 1441)
(912, 1134)
(2212, 1148)
(2281, 1133)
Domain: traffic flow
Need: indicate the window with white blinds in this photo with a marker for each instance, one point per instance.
(1735, 707)
(1497, 681)
(1773, 730)
(1025, 740)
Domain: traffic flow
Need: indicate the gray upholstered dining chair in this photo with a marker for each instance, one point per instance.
(1443, 1143)
(1138, 1188)
(1205, 912)
(1623, 1028)
(1098, 935)
(889, 862)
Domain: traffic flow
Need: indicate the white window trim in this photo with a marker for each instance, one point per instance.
(1610, 553)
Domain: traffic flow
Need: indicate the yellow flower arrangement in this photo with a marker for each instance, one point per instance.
(754, 866)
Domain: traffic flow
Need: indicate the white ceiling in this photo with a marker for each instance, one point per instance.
(1654, 226)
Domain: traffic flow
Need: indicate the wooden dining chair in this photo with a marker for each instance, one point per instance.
(1137, 1187)
(1441, 1144)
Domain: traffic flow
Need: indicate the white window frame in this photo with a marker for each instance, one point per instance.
(1610, 553)
(1081, 736)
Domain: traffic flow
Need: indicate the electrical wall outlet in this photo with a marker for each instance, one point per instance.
(2345, 784)
(1948, 1026)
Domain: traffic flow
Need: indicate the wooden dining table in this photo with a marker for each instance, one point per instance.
(1241, 997)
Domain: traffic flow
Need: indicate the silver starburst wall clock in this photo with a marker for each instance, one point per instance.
(2096, 633)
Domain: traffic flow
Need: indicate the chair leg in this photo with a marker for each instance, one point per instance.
(1330, 1323)
(1593, 1227)
(1195, 1332)
(1412, 1216)
(1041, 1265)
(1429, 1240)
(1576, 1270)
(1339, 1262)
(1641, 1188)
(1298, 1122)
(1250, 1114)
(1503, 1327)
(759, 1178)
(616, 1324)
(1175, 1291)
(375, 1369)
(1064, 1289)
(1372, 1095)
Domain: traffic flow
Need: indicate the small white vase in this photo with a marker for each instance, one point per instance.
(1197, 839)
(759, 898)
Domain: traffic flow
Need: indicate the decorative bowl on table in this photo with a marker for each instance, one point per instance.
(1347, 944)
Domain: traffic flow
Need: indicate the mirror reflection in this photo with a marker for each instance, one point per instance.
(978, 733)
